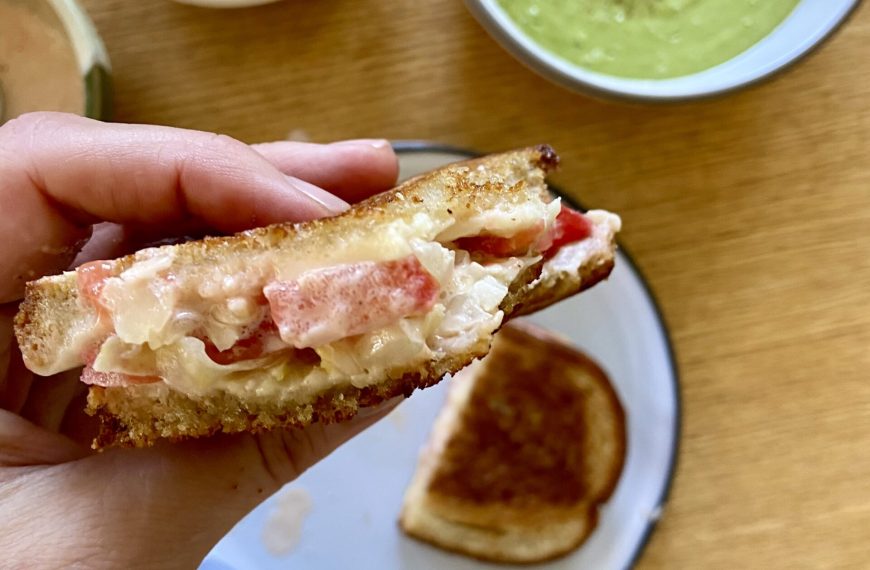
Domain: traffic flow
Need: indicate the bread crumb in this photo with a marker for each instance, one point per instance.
(398, 419)
(283, 528)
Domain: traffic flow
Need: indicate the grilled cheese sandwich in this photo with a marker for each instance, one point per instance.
(274, 323)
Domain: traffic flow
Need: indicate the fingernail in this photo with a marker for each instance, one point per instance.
(378, 144)
(329, 201)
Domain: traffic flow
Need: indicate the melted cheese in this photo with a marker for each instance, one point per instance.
(466, 312)
(156, 312)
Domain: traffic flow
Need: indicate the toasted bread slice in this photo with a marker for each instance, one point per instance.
(530, 443)
(179, 392)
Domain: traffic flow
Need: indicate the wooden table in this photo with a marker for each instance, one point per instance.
(750, 215)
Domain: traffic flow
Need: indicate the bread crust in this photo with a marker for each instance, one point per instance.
(537, 509)
(127, 415)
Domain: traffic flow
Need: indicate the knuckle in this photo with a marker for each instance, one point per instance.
(23, 133)
(26, 124)
(225, 143)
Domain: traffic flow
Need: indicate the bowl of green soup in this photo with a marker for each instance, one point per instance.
(659, 50)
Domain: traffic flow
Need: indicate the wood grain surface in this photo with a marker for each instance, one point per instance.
(750, 215)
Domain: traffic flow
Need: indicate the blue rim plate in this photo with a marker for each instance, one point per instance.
(356, 493)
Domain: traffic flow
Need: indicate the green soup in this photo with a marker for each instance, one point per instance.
(647, 39)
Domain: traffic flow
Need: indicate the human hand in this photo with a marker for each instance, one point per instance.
(73, 190)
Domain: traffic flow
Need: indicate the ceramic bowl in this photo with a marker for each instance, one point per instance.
(64, 19)
(811, 22)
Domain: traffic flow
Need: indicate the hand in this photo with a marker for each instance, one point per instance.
(71, 190)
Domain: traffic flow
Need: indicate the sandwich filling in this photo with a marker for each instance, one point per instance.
(267, 324)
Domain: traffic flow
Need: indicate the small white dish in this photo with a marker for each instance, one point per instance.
(355, 495)
(811, 22)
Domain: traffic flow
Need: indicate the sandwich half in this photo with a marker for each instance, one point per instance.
(530, 443)
(290, 324)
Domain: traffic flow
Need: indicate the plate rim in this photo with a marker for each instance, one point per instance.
(422, 146)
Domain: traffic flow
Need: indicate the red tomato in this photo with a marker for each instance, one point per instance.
(571, 226)
(90, 279)
(518, 244)
(328, 304)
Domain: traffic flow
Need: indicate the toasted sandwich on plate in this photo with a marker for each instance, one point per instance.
(530, 442)
(290, 324)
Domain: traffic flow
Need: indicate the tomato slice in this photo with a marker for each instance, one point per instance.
(517, 245)
(571, 226)
(328, 304)
(90, 280)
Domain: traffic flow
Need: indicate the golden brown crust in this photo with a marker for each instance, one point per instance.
(509, 408)
(35, 333)
(531, 442)
(502, 558)
(526, 380)
(137, 417)
(526, 300)
(558, 349)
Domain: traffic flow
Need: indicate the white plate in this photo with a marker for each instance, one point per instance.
(356, 493)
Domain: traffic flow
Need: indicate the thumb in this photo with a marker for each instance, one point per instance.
(186, 497)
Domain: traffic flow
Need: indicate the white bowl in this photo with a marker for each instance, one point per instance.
(811, 22)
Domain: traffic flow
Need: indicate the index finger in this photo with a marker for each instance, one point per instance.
(59, 174)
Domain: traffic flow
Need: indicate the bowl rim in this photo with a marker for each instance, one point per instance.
(91, 55)
(534, 57)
